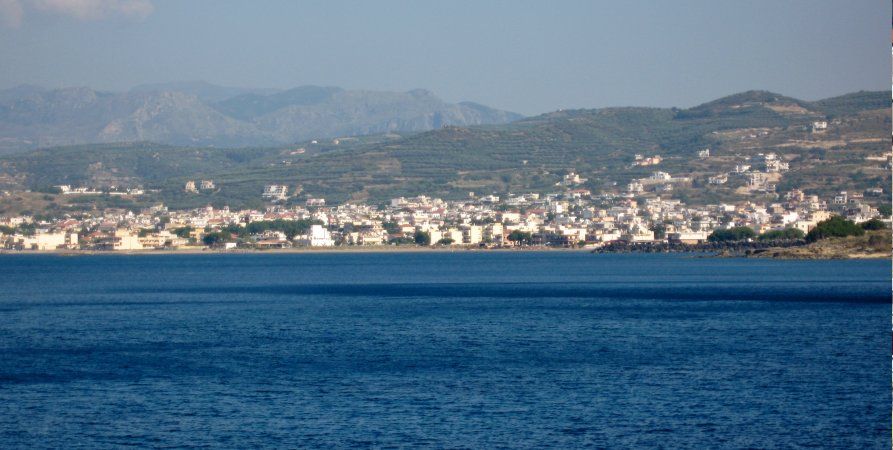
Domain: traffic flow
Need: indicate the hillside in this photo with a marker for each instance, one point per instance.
(201, 114)
(528, 154)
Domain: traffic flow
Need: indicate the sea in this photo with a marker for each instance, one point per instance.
(459, 349)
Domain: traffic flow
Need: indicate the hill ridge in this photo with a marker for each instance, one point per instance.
(525, 155)
(183, 114)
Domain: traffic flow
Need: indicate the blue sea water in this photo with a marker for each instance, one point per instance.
(458, 350)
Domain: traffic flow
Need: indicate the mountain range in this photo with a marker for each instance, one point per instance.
(203, 114)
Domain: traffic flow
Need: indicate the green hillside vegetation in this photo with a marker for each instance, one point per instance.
(854, 103)
(527, 155)
(834, 227)
(126, 164)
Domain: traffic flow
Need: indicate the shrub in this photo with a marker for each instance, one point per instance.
(732, 234)
(291, 228)
(401, 241)
(834, 227)
(879, 242)
(216, 238)
(873, 224)
(183, 232)
(422, 238)
(27, 229)
(520, 237)
(788, 234)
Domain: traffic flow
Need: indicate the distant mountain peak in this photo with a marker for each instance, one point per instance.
(420, 93)
(205, 91)
(201, 113)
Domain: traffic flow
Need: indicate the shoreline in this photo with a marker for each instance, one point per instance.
(702, 253)
(835, 248)
(279, 251)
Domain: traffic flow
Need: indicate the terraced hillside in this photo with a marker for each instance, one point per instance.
(530, 154)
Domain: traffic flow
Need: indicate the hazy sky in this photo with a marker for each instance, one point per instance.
(529, 57)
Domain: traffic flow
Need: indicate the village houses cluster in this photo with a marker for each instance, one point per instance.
(573, 216)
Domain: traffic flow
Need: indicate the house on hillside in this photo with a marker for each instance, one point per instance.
(275, 192)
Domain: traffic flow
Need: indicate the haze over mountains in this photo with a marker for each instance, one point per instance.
(202, 114)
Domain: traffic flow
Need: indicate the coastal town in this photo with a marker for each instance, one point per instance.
(569, 217)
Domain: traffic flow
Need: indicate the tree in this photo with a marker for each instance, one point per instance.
(391, 227)
(291, 228)
(788, 234)
(520, 237)
(731, 234)
(27, 229)
(885, 209)
(836, 226)
(216, 238)
(234, 229)
(660, 231)
(445, 241)
(422, 238)
(879, 242)
(873, 224)
(183, 232)
(401, 241)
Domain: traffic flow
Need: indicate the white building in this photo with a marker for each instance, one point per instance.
(127, 240)
(841, 198)
(319, 236)
(494, 232)
(571, 179)
(756, 179)
(46, 241)
(638, 233)
(473, 234)
(718, 179)
(688, 236)
(454, 235)
(820, 125)
(275, 192)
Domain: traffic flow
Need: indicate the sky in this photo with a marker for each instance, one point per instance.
(525, 56)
